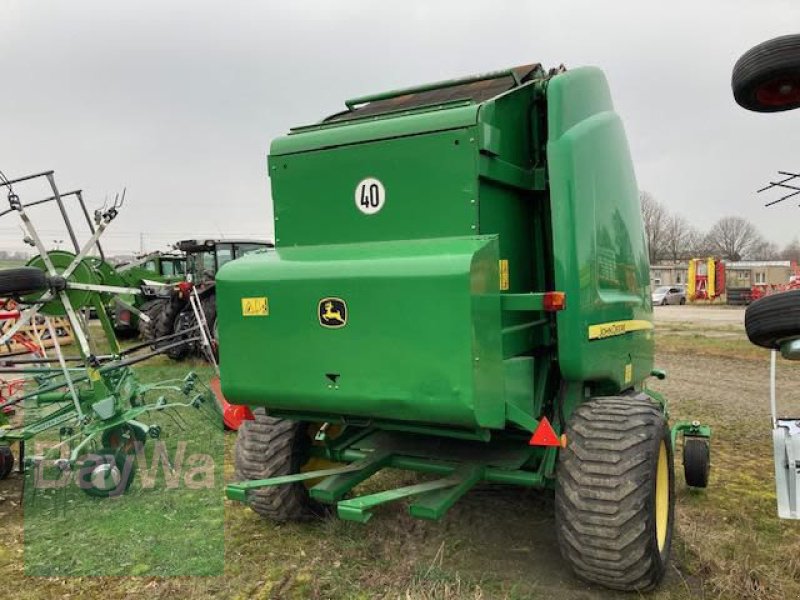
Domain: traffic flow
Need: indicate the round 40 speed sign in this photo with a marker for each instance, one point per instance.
(370, 196)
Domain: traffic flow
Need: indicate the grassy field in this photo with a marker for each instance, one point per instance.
(9, 264)
(499, 542)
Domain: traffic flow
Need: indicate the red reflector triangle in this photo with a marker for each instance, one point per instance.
(544, 435)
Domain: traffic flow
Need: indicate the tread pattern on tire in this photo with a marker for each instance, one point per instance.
(760, 64)
(773, 318)
(269, 447)
(696, 462)
(22, 280)
(152, 308)
(605, 493)
(165, 325)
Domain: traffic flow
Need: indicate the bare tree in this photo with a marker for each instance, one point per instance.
(655, 218)
(791, 251)
(679, 238)
(697, 244)
(764, 250)
(733, 238)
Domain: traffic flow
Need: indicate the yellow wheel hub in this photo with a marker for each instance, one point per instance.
(317, 464)
(662, 497)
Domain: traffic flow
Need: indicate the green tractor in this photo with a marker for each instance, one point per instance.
(172, 313)
(148, 272)
(460, 288)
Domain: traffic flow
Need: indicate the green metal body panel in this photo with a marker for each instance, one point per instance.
(387, 362)
(542, 171)
(598, 239)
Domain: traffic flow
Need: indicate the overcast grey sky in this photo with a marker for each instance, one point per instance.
(178, 100)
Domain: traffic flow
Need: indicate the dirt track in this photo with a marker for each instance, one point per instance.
(700, 315)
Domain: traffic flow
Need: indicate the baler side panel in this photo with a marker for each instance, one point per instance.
(599, 245)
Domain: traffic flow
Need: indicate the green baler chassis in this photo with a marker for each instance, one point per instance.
(460, 465)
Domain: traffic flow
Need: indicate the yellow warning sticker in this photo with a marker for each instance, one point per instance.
(94, 375)
(255, 307)
(503, 274)
(628, 373)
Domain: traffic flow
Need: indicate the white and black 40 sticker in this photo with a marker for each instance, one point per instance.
(370, 196)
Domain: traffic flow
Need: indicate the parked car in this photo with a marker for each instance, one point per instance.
(668, 295)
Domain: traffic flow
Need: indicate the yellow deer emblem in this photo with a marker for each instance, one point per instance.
(332, 312)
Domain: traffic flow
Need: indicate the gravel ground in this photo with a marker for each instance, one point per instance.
(700, 315)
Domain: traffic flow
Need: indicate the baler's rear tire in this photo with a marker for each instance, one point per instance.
(773, 318)
(152, 308)
(269, 447)
(615, 493)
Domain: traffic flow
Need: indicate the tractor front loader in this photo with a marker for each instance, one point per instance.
(460, 288)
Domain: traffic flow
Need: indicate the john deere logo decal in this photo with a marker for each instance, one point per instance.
(332, 313)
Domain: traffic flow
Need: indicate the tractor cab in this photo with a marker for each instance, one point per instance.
(205, 257)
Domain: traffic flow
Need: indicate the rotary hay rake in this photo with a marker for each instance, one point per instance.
(94, 400)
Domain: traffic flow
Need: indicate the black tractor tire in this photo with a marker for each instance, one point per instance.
(608, 495)
(774, 318)
(22, 280)
(209, 305)
(767, 77)
(6, 461)
(165, 325)
(696, 461)
(269, 447)
(152, 308)
(184, 321)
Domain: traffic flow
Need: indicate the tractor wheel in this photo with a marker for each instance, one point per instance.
(106, 473)
(6, 461)
(772, 319)
(183, 322)
(22, 281)
(767, 77)
(209, 305)
(696, 461)
(152, 308)
(268, 447)
(615, 493)
(165, 323)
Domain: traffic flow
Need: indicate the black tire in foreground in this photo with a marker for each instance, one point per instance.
(615, 497)
(767, 77)
(22, 280)
(772, 319)
(6, 461)
(152, 308)
(696, 461)
(269, 447)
